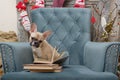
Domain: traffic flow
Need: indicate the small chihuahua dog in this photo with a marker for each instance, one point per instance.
(41, 48)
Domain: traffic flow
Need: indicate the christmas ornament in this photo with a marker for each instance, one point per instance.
(93, 20)
(79, 4)
(103, 23)
(20, 6)
(26, 1)
(38, 4)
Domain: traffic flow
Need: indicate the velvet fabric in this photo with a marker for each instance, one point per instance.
(70, 72)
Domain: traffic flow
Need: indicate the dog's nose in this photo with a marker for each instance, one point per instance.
(35, 43)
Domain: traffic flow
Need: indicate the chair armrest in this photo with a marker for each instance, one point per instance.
(102, 56)
(14, 55)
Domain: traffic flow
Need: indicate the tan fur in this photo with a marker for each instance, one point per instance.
(45, 50)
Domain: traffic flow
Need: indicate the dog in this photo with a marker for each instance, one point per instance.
(41, 48)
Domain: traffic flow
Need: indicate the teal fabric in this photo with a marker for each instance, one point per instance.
(65, 59)
(70, 72)
(94, 55)
(70, 26)
(21, 52)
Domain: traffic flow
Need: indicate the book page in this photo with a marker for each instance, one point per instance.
(40, 60)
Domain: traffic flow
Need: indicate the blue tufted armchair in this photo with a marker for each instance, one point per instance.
(71, 32)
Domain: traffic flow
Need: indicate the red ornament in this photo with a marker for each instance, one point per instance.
(93, 20)
(76, 5)
(21, 6)
(26, 1)
(38, 4)
(79, 4)
(42, 2)
(35, 7)
(81, 0)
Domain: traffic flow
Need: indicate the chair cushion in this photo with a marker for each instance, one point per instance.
(70, 72)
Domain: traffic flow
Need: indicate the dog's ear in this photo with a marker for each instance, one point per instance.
(33, 28)
(46, 34)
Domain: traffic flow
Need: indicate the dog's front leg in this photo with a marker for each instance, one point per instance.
(36, 57)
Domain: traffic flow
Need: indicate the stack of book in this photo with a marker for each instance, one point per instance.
(41, 65)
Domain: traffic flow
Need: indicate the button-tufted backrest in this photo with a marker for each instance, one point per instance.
(70, 26)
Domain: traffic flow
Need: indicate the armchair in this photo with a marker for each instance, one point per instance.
(71, 32)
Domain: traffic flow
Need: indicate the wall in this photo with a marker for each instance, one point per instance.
(8, 15)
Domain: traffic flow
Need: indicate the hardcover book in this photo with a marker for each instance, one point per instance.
(43, 67)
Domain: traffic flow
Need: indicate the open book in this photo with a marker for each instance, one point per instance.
(60, 60)
(42, 65)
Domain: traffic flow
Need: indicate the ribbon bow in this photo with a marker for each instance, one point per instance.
(21, 6)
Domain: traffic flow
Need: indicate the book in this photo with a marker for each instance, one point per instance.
(43, 67)
(39, 70)
(60, 60)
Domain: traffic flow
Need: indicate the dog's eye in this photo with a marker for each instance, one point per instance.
(33, 38)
